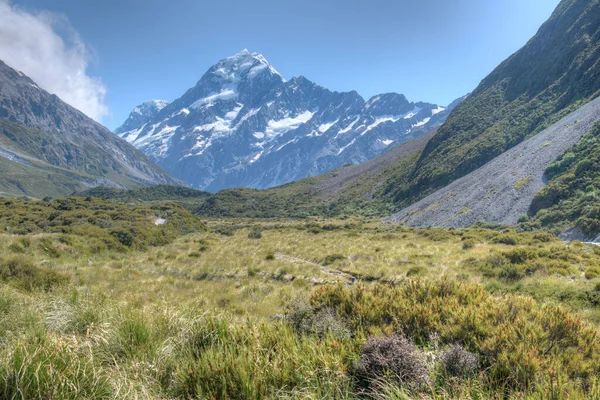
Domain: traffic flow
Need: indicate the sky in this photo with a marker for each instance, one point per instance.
(107, 56)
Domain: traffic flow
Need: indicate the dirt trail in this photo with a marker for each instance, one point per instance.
(329, 271)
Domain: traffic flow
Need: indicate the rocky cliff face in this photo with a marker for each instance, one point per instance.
(244, 125)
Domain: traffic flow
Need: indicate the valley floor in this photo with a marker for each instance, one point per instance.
(301, 309)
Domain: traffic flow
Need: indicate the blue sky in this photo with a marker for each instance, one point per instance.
(429, 50)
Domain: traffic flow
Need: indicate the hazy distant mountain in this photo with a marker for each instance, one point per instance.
(49, 148)
(244, 125)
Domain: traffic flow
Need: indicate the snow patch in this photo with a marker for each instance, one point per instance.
(159, 141)
(349, 127)
(412, 113)
(325, 127)
(381, 120)
(226, 94)
(372, 101)
(275, 128)
(256, 157)
(437, 110)
(421, 123)
(340, 151)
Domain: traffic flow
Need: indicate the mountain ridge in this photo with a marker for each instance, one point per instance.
(40, 131)
(244, 125)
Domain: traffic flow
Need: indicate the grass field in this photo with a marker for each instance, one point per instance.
(300, 309)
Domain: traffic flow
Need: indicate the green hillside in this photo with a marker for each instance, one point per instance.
(554, 73)
(36, 164)
(571, 196)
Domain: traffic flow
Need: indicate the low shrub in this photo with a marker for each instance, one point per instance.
(520, 256)
(255, 233)
(123, 237)
(392, 357)
(332, 258)
(509, 239)
(23, 274)
(469, 244)
(592, 273)
(416, 270)
(305, 319)
(456, 361)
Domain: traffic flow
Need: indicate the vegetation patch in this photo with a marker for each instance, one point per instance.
(521, 183)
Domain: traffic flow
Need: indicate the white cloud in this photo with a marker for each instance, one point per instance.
(46, 48)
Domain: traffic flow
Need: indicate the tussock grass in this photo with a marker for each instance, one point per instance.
(228, 321)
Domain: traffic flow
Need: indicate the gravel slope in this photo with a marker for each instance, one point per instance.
(501, 190)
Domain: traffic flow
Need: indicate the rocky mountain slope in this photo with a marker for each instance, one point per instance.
(244, 125)
(49, 148)
(502, 190)
(556, 72)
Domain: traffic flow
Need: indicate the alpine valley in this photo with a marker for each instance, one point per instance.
(406, 250)
(244, 125)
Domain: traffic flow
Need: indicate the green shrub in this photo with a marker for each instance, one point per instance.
(203, 245)
(509, 239)
(225, 231)
(520, 256)
(592, 273)
(469, 244)
(255, 233)
(416, 270)
(332, 258)
(511, 273)
(505, 331)
(123, 237)
(22, 273)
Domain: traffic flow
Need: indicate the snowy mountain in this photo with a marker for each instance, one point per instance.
(244, 125)
(142, 114)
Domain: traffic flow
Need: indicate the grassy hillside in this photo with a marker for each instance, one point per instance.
(571, 196)
(262, 311)
(34, 164)
(554, 73)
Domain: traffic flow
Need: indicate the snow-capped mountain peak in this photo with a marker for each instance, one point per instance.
(243, 65)
(242, 124)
